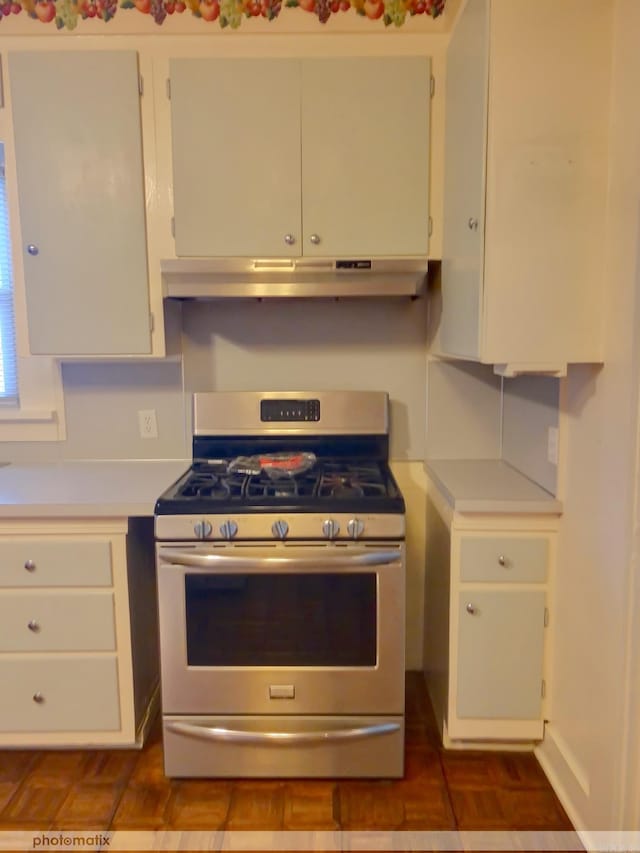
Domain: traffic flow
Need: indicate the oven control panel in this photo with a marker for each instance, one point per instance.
(285, 411)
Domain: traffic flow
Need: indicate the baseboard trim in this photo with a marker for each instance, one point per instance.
(566, 776)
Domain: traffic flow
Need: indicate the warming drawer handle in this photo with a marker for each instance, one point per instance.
(226, 561)
(217, 733)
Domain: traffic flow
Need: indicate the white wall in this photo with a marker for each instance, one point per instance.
(586, 749)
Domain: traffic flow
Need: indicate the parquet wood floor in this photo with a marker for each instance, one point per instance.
(441, 790)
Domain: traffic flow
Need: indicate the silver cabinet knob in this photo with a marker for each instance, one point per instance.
(30, 566)
(355, 528)
(202, 529)
(472, 223)
(33, 249)
(315, 239)
(34, 626)
(228, 529)
(471, 608)
(280, 529)
(289, 239)
(38, 698)
(330, 528)
(502, 560)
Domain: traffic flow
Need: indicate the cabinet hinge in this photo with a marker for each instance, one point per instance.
(140, 85)
(546, 617)
(173, 227)
(430, 226)
(168, 88)
(432, 85)
(543, 688)
(152, 323)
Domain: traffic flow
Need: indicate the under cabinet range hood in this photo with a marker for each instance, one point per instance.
(293, 278)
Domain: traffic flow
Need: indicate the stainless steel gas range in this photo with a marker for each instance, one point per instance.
(281, 584)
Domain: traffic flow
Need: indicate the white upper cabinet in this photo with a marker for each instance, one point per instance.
(236, 156)
(78, 149)
(525, 184)
(289, 157)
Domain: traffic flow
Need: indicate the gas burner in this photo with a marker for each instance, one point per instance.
(263, 486)
(340, 486)
(210, 486)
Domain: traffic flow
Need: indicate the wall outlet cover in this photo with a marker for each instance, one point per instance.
(148, 423)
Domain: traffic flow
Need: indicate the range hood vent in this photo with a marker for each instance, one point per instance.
(299, 278)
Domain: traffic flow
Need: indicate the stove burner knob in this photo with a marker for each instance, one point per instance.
(355, 528)
(202, 529)
(330, 528)
(280, 529)
(228, 529)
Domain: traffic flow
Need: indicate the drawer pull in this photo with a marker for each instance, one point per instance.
(38, 698)
(502, 560)
(34, 626)
(30, 566)
(471, 608)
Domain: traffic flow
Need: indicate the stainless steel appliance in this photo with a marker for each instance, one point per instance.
(281, 583)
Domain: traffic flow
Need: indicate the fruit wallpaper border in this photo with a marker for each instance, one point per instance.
(65, 14)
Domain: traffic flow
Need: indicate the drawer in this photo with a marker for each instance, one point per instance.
(55, 562)
(53, 694)
(503, 559)
(57, 622)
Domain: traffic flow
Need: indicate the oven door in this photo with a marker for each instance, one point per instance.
(272, 628)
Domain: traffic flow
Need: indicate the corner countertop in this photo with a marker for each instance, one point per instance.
(87, 488)
(489, 485)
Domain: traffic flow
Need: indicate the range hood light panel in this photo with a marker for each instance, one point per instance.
(298, 278)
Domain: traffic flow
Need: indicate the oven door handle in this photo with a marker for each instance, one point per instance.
(207, 562)
(220, 733)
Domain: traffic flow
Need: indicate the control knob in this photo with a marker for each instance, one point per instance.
(228, 529)
(280, 529)
(355, 528)
(330, 528)
(202, 529)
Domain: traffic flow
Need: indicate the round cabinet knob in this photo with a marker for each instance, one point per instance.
(472, 223)
(228, 529)
(330, 528)
(30, 566)
(38, 698)
(289, 239)
(32, 625)
(202, 529)
(502, 560)
(471, 608)
(279, 529)
(33, 249)
(355, 528)
(315, 239)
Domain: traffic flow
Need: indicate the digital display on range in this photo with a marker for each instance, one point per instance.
(286, 411)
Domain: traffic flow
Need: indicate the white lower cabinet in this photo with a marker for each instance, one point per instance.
(78, 633)
(486, 618)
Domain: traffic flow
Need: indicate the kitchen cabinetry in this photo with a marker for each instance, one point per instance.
(486, 612)
(78, 655)
(524, 186)
(289, 157)
(81, 193)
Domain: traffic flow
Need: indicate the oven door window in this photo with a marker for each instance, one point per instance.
(311, 619)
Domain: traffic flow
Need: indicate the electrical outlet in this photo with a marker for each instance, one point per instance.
(148, 423)
(552, 445)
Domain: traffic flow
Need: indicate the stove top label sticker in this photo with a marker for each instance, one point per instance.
(285, 411)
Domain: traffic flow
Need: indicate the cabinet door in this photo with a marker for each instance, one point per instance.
(464, 182)
(236, 157)
(76, 118)
(365, 156)
(500, 644)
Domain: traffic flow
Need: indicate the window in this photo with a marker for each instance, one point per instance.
(8, 370)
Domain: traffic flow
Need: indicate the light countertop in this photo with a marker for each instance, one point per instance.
(98, 488)
(489, 485)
